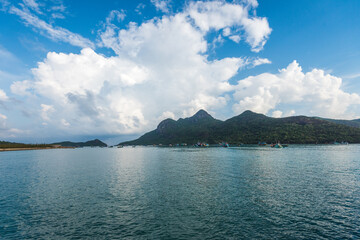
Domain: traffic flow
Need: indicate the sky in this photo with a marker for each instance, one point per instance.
(78, 70)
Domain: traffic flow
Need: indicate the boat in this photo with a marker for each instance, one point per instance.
(262, 143)
(201, 144)
(224, 144)
(278, 145)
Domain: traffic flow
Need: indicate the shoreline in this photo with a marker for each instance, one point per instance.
(29, 148)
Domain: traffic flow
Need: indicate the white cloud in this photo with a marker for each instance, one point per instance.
(160, 66)
(119, 95)
(235, 38)
(260, 61)
(257, 32)
(21, 88)
(318, 93)
(251, 3)
(59, 8)
(65, 123)
(46, 110)
(218, 15)
(162, 5)
(166, 115)
(33, 5)
(139, 8)
(57, 16)
(277, 114)
(4, 5)
(290, 113)
(115, 15)
(226, 31)
(53, 32)
(3, 96)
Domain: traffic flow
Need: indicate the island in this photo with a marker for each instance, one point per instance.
(250, 128)
(92, 143)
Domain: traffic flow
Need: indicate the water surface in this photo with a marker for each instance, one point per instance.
(300, 192)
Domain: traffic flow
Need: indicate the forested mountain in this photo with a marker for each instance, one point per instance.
(248, 128)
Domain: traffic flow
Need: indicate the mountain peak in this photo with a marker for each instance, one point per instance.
(165, 124)
(249, 113)
(201, 114)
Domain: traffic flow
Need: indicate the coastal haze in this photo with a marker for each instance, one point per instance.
(301, 192)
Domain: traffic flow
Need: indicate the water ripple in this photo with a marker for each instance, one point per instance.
(301, 192)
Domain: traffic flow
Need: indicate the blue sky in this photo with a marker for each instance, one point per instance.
(114, 69)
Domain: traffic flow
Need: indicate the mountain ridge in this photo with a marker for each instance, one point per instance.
(247, 127)
(91, 143)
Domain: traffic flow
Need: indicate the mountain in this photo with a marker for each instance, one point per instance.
(250, 128)
(187, 130)
(351, 123)
(92, 143)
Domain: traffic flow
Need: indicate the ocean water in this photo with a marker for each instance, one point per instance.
(300, 192)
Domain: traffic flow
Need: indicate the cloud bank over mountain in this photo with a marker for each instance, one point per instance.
(319, 93)
(161, 68)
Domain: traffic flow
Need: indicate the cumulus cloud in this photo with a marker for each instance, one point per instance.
(120, 95)
(318, 93)
(221, 15)
(199, 18)
(257, 32)
(161, 69)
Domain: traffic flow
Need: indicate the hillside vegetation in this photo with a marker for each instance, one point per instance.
(248, 128)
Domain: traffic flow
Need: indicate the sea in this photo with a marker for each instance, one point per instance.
(247, 192)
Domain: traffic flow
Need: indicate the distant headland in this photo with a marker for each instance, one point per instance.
(12, 146)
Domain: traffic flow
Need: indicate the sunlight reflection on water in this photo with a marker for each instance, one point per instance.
(145, 192)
